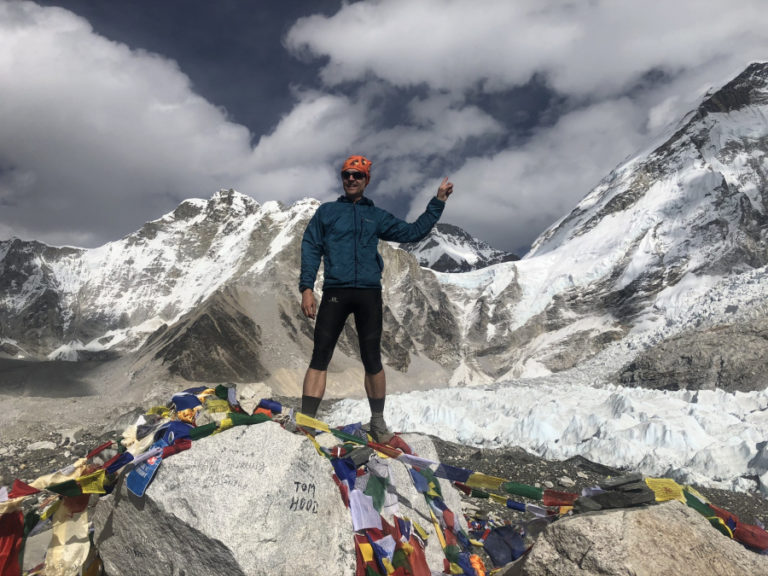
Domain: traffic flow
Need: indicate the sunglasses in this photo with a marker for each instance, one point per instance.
(356, 175)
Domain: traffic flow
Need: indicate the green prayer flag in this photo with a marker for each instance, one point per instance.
(701, 507)
(203, 431)
(239, 419)
(347, 437)
(375, 489)
(222, 392)
(431, 479)
(400, 560)
(452, 553)
(68, 488)
(523, 490)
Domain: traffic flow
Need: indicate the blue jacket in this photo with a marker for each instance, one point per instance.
(346, 236)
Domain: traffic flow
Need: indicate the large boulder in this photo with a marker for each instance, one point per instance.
(666, 539)
(254, 500)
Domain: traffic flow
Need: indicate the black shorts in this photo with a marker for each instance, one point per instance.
(337, 304)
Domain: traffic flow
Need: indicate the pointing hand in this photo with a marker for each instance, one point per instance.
(445, 189)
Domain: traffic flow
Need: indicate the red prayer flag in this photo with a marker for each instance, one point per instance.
(19, 488)
(99, 449)
(179, 446)
(555, 498)
(752, 536)
(11, 534)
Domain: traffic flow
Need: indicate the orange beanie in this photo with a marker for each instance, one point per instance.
(359, 163)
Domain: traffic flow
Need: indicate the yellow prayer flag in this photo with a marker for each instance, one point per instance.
(438, 531)
(665, 489)
(480, 480)
(93, 483)
(225, 424)
(456, 569)
(161, 411)
(498, 498)
(51, 510)
(304, 420)
(423, 534)
(316, 445)
(11, 505)
(216, 405)
(366, 550)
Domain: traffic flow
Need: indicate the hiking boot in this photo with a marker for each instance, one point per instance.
(379, 431)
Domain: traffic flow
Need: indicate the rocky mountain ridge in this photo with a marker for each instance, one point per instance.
(450, 249)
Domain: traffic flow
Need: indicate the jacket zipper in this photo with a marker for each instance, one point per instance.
(354, 217)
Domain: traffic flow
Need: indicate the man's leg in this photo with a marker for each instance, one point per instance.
(368, 319)
(330, 321)
(376, 389)
(313, 391)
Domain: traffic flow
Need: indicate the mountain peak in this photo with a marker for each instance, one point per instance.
(448, 248)
(748, 88)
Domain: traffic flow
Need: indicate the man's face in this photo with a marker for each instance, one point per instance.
(354, 182)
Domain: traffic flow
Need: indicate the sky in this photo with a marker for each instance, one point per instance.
(112, 113)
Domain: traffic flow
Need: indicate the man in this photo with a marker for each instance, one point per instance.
(345, 235)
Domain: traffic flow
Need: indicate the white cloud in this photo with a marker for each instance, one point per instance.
(96, 136)
(582, 47)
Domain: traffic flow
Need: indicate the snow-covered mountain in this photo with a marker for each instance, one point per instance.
(656, 278)
(450, 249)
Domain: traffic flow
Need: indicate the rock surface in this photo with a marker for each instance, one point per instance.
(251, 500)
(729, 356)
(669, 538)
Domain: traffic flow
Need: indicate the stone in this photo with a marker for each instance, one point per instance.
(668, 538)
(255, 500)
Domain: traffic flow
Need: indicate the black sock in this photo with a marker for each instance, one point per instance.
(309, 405)
(377, 405)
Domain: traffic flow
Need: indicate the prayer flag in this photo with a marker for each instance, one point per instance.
(68, 488)
(20, 489)
(93, 483)
(364, 515)
(523, 490)
(453, 473)
(11, 534)
(480, 480)
(99, 449)
(665, 489)
(304, 420)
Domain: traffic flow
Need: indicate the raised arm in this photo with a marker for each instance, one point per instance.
(396, 230)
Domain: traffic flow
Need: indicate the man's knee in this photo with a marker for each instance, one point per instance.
(370, 352)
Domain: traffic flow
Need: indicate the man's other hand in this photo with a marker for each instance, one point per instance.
(308, 303)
